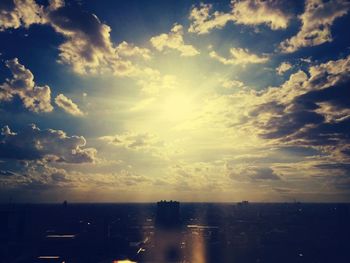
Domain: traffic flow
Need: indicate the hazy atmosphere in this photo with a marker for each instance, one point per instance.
(138, 101)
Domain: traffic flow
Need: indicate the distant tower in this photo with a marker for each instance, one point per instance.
(244, 203)
(168, 214)
(168, 236)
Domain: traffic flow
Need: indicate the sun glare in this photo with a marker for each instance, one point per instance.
(177, 106)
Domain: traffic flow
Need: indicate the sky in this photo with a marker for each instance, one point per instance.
(137, 101)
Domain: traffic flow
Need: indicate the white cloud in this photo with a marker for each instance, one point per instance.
(88, 48)
(316, 20)
(129, 50)
(283, 67)
(152, 82)
(239, 56)
(68, 105)
(229, 84)
(260, 12)
(203, 21)
(174, 40)
(14, 14)
(34, 98)
(135, 141)
(250, 12)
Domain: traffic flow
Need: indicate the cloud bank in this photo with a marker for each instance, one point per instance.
(33, 143)
(34, 98)
(174, 40)
(250, 13)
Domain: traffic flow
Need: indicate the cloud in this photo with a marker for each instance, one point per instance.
(6, 173)
(283, 67)
(130, 50)
(229, 84)
(87, 48)
(316, 20)
(34, 98)
(239, 56)
(305, 121)
(202, 21)
(68, 105)
(38, 176)
(8, 18)
(250, 12)
(321, 171)
(193, 177)
(332, 113)
(174, 40)
(134, 141)
(152, 82)
(6, 131)
(251, 173)
(15, 13)
(34, 144)
(260, 12)
(140, 143)
(310, 110)
(42, 176)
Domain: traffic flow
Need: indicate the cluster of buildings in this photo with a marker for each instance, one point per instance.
(168, 232)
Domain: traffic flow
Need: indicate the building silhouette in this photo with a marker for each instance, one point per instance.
(168, 214)
(168, 235)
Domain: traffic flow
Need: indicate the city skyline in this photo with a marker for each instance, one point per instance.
(138, 101)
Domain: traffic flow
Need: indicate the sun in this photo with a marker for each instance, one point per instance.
(177, 106)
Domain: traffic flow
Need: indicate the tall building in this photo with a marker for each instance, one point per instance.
(168, 235)
(168, 214)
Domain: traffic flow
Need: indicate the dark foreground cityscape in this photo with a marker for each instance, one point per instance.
(172, 232)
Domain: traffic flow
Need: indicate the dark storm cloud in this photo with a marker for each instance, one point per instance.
(341, 166)
(290, 123)
(34, 144)
(324, 134)
(338, 95)
(87, 38)
(305, 112)
(75, 21)
(309, 110)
